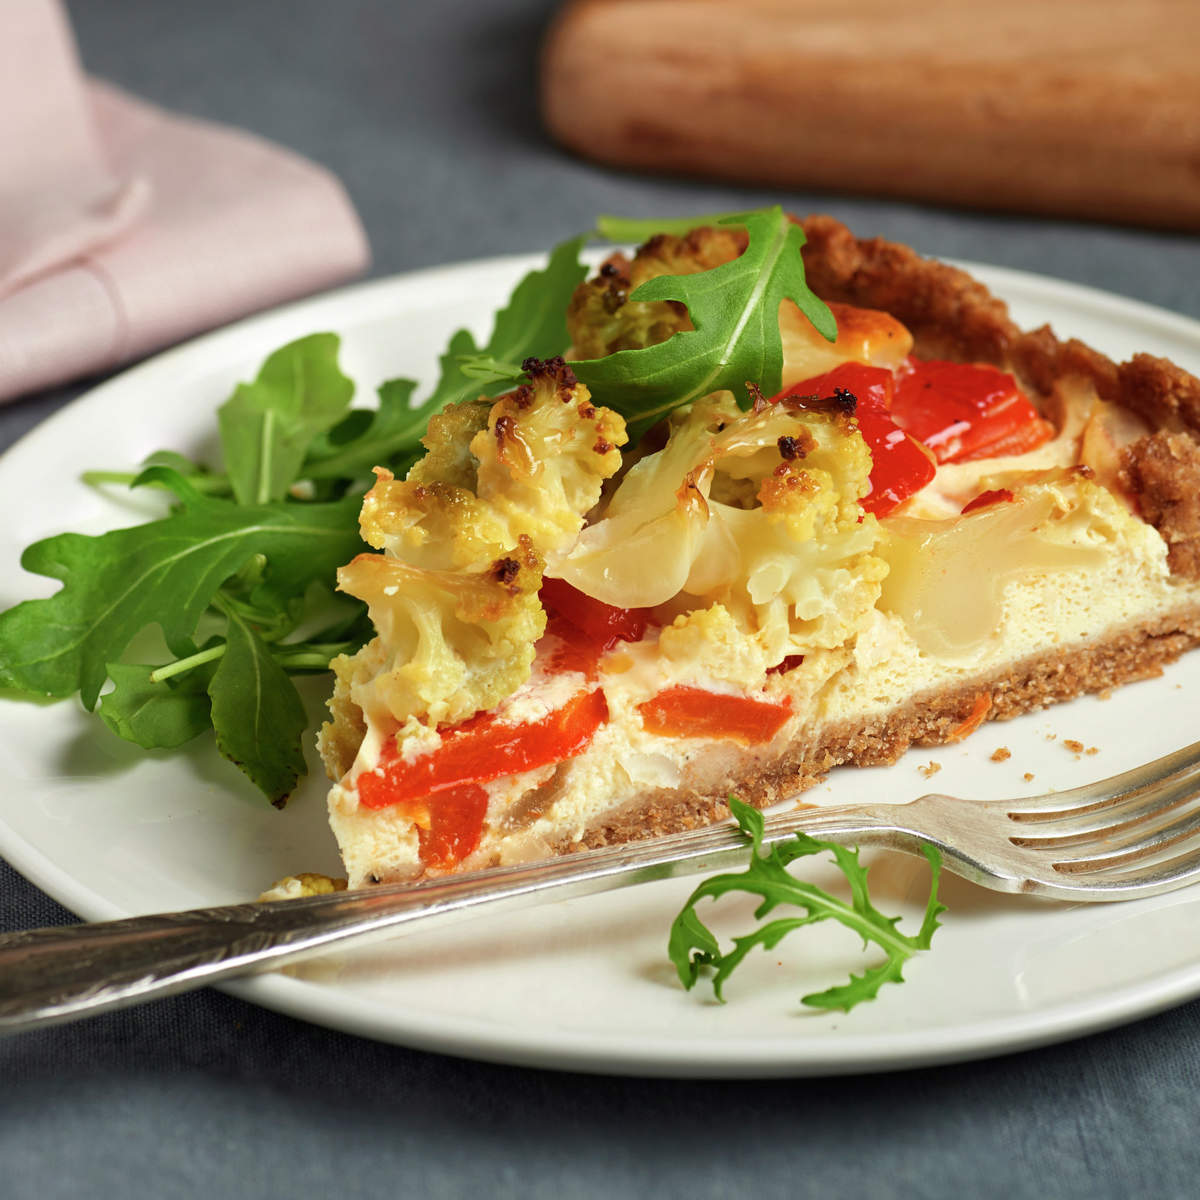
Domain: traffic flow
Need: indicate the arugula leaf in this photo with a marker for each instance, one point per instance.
(735, 340)
(155, 715)
(692, 945)
(532, 325)
(257, 714)
(165, 572)
(266, 426)
(366, 439)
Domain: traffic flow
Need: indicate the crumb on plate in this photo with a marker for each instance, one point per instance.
(307, 883)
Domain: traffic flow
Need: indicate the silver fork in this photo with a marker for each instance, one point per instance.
(1132, 835)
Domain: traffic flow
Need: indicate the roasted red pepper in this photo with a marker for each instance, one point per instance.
(601, 625)
(481, 749)
(694, 712)
(455, 825)
(899, 467)
(966, 411)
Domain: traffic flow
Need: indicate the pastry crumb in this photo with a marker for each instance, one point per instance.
(930, 768)
(1028, 776)
(1092, 750)
(1076, 748)
(1001, 754)
(307, 883)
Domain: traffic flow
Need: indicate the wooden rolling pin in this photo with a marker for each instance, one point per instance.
(1083, 108)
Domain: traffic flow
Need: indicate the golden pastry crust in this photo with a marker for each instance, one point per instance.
(1163, 471)
(949, 313)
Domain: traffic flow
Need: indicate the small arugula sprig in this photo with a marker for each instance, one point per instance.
(693, 947)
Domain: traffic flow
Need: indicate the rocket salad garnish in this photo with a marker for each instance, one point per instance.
(693, 948)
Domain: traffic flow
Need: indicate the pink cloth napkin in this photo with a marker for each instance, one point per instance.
(124, 228)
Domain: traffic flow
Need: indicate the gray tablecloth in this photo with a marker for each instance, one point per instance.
(427, 112)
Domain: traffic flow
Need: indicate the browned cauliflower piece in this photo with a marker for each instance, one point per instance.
(447, 443)
(449, 643)
(601, 318)
(756, 512)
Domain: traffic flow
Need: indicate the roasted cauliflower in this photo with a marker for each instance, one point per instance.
(449, 643)
(453, 591)
(754, 512)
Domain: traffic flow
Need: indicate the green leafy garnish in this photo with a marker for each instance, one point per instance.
(532, 325)
(239, 565)
(266, 426)
(257, 714)
(389, 435)
(141, 709)
(694, 948)
(734, 309)
(240, 572)
(164, 572)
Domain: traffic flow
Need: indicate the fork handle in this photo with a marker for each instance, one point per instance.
(67, 972)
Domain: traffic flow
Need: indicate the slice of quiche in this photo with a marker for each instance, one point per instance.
(939, 520)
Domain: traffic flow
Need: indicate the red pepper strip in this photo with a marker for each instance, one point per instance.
(899, 467)
(455, 825)
(988, 498)
(586, 627)
(604, 623)
(694, 712)
(966, 411)
(482, 749)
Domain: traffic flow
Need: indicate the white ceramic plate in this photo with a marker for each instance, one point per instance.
(582, 984)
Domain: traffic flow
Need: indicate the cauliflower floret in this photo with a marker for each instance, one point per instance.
(449, 643)
(531, 466)
(447, 443)
(545, 455)
(435, 526)
(453, 594)
(601, 318)
(787, 553)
